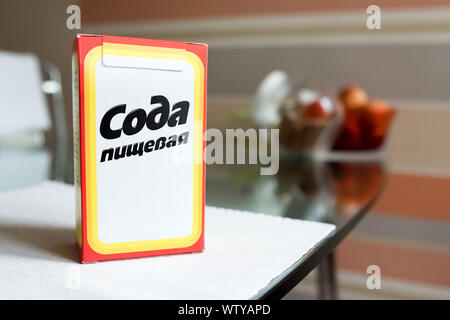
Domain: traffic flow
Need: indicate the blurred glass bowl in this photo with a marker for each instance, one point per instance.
(309, 126)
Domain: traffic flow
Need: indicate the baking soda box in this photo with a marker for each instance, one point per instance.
(139, 119)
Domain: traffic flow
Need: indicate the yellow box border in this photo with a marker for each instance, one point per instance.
(91, 59)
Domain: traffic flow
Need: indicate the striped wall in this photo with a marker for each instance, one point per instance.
(107, 11)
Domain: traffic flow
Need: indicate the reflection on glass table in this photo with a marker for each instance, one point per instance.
(339, 193)
(329, 192)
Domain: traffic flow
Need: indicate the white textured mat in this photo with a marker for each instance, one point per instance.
(244, 252)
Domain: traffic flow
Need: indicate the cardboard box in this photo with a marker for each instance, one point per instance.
(139, 118)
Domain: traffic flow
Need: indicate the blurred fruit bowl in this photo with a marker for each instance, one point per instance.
(366, 122)
(312, 123)
(352, 123)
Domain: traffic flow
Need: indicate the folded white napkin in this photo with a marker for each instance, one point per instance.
(244, 252)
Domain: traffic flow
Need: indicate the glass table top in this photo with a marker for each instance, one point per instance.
(331, 192)
(339, 193)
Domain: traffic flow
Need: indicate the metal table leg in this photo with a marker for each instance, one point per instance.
(327, 278)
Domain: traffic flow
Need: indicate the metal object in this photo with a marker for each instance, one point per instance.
(53, 88)
(327, 278)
